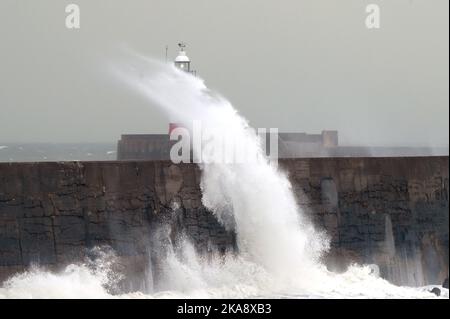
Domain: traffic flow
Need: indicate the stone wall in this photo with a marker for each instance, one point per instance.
(388, 211)
(392, 212)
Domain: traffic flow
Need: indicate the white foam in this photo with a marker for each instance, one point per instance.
(74, 282)
(188, 275)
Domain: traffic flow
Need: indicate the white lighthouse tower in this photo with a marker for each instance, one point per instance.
(182, 61)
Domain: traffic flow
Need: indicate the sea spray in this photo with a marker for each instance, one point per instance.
(271, 229)
(94, 277)
(223, 278)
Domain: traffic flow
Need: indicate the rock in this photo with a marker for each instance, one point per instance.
(436, 291)
(445, 284)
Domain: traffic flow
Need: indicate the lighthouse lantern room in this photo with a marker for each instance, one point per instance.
(182, 61)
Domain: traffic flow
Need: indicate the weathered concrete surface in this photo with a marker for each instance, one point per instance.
(388, 211)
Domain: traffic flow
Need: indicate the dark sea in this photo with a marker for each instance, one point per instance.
(49, 152)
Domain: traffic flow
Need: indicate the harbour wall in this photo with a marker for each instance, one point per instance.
(393, 212)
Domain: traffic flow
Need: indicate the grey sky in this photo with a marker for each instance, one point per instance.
(297, 65)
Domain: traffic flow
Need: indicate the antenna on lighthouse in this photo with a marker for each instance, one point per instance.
(167, 49)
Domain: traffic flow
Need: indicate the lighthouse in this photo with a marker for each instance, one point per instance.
(182, 61)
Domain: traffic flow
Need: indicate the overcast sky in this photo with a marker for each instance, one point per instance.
(300, 65)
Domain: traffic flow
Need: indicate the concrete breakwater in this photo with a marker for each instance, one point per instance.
(392, 212)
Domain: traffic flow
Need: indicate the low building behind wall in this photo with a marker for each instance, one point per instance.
(157, 146)
(392, 212)
(289, 145)
(144, 146)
